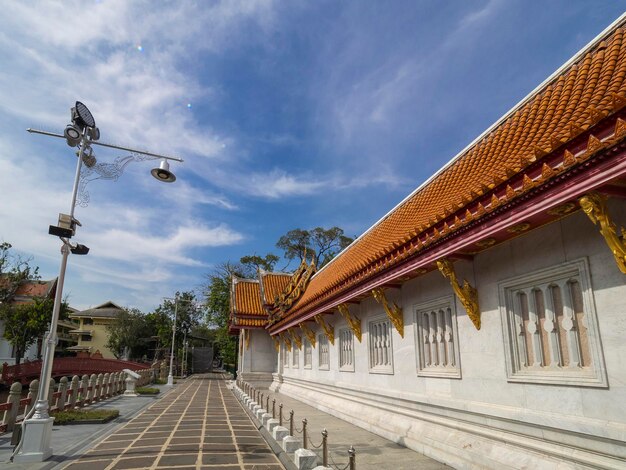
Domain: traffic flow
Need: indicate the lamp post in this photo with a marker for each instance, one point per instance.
(34, 445)
(170, 377)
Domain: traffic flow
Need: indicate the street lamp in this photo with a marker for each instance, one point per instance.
(82, 132)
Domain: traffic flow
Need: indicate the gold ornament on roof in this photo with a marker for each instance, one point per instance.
(276, 343)
(309, 333)
(329, 331)
(353, 322)
(594, 205)
(394, 312)
(246, 334)
(296, 339)
(466, 294)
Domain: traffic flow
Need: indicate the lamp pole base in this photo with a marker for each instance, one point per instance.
(170, 381)
(35, 441)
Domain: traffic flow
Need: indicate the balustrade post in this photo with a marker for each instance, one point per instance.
(91, 390)
(15, 395)
(84, 390)
(280, 414)
(304, 437)
(33, 388)
(51, 398)
(99, 395)
(325, 448)
(75, 385)
(105, 386)
(63, 395)
(352, 454)
(291, 423)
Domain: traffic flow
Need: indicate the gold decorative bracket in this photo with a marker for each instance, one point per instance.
(276, 343)
(329, 330)
(246, 334)
(354, 322)
(594, 205)
(466, 294)
(296, 339)
(286, 340)
(394, 312)
(309, 333)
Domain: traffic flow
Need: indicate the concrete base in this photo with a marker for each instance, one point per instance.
(265, 418)
(130, 393)
(279, 433)
(271, 424)
(291, 444)
(305, 459)
(259, 413)
(36, 441)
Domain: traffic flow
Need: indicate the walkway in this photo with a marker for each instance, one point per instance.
(199, 425)
(372, 451)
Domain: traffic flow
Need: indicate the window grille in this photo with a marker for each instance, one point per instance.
(346, 350)
(380, 347)
(296, 356)
(324, 353)
(550, 327)
(308, 354)
(437, 339)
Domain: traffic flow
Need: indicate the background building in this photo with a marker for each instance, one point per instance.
(92, 333)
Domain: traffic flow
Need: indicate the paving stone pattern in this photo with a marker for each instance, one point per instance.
(199, 425)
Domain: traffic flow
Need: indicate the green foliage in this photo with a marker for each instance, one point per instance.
(127, 334)
(251, 264)
(147, 390)
(319, 244)
(72, 416)
(13, 270)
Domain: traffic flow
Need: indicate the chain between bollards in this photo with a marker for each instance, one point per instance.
(291, 423)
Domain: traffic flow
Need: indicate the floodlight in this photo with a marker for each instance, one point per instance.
(94, 133)
(72, 135)
(60, 231)
(80, 249)
(89, 159)
(82, 117)
(163, 173)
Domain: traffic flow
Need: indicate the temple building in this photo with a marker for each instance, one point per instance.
(480, 321)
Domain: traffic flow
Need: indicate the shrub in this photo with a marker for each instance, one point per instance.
(72, 416)
(147, 390)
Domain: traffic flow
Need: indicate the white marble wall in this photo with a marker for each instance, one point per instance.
(258, 361)
(481, 419)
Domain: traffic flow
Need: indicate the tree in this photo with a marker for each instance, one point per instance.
(127, 334)
(320, 244)
(24, 322)
(252, 263)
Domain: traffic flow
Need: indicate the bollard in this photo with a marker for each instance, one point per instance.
(33, 389)
(352, 454)
(324, 448)
(267, 402)
(273, 408)
(10, 416)
(291, 423)
(280, 414)
(304, 444)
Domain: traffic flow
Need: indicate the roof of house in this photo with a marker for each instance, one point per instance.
(272, 284)
(105, 310)
(524, 149)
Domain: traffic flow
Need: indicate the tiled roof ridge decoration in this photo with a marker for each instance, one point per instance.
(549, 134)
(293, 291)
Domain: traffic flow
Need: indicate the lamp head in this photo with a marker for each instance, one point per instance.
(72, 135)
(163, 173)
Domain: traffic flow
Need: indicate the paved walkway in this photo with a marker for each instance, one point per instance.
(199, 425)
(372, 451)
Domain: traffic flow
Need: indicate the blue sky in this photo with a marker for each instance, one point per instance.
(288, 114)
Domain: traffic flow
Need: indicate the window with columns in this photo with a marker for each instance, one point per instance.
(285, 356)
(346, 350)
(295, 356)
(437, 339)
(380, 346)
(324, 352)
(550, 327)
(308, 354)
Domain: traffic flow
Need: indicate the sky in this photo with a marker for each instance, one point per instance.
(288, 114)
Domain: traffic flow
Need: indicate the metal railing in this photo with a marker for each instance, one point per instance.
(326, 456)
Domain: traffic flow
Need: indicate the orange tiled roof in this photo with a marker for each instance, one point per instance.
(587, 91)
(250, 322)
(272, 284)
(246, 298)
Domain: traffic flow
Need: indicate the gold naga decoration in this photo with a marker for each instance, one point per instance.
(466, 294)
(309, 333)
(292, 291)
(594, 205)
(286, 340)
(329, 330)
(353, 322)
(276, 343)
(394, 312)
(246, 335)
(296, 339)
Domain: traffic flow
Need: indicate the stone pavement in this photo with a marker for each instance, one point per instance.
(372, 451)
(197, 424)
